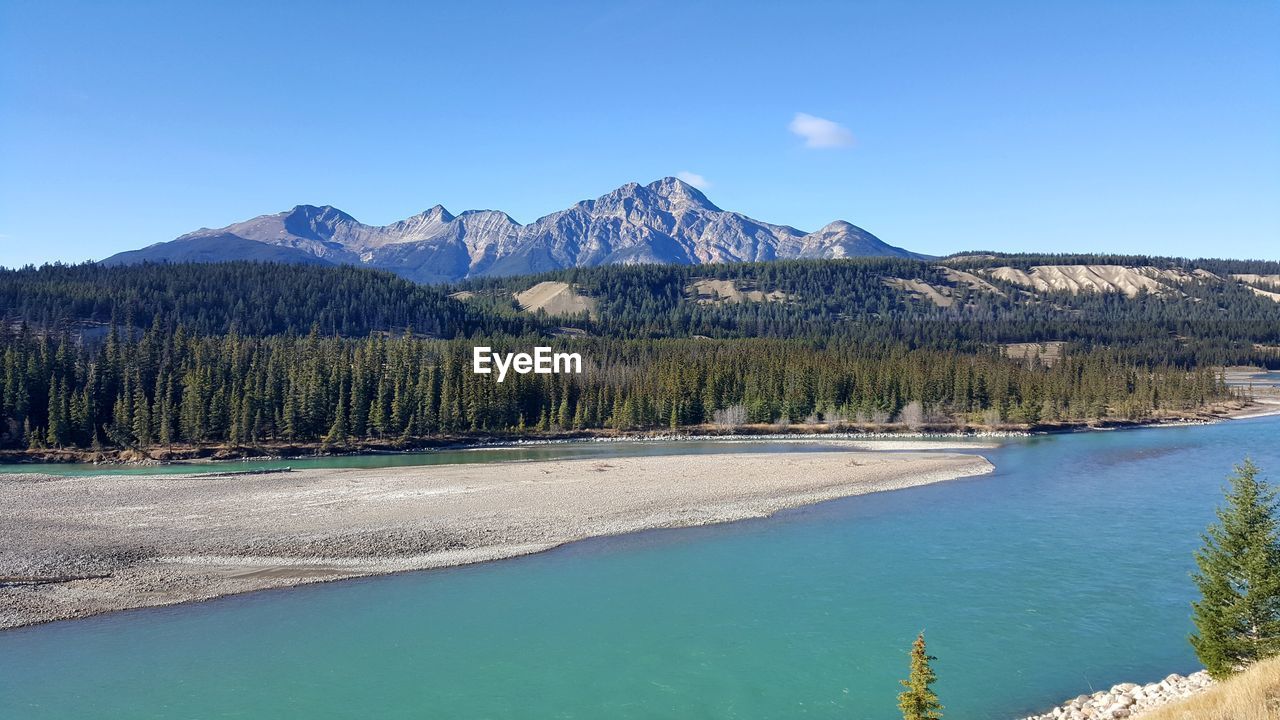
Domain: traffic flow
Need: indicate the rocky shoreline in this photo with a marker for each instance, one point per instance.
(853, 431)
(1129, 700)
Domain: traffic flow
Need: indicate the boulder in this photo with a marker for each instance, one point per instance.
(1127, 700)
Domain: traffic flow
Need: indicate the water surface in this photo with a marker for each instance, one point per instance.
(1065, 570)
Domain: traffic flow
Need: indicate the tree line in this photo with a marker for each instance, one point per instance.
(143, 389)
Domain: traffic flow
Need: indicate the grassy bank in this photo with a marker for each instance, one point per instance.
(1251, 695)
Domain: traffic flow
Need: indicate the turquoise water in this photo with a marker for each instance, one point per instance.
(1261, 379)
(1065, 570)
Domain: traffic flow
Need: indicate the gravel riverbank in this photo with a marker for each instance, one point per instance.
(77, 546)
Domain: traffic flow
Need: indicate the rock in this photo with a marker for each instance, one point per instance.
(1128, 700)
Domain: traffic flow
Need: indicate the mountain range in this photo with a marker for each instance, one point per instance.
(667, 221)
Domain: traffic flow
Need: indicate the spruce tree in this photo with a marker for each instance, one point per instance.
(1238, 616)
(337, 434)
(563, 418)
(918, 701)
(141, 416)
(57, 430)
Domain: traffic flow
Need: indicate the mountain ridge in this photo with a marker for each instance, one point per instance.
(667, 221)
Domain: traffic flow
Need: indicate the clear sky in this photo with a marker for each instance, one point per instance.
(1079, 125)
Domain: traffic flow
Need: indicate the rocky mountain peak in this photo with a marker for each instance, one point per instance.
(837, 226)
(665, 221)
(840, 239)
(676, 189)
(436, 213)
(320, 213)
(316, 222)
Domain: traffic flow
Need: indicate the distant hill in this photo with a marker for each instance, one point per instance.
(1173, 309)
(664, 222)
(247, 298)
(1219, 312)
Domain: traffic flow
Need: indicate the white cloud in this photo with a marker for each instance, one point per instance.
(694, 179)
(820, 132)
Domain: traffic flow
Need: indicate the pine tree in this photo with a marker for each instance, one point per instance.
(563, 418)
(34, 441)
(919, 702)
(141, 416)
(164, 413)
(1238, 617)
(57, 430)
(338, 431)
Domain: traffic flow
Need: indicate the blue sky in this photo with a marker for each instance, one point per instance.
(1147, 127)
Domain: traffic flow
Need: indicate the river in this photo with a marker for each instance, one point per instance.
(1066, 570)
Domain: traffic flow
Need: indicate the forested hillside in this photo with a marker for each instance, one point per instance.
(1205, 318)
(1201, 320)
(246, 354)
(244, 297)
